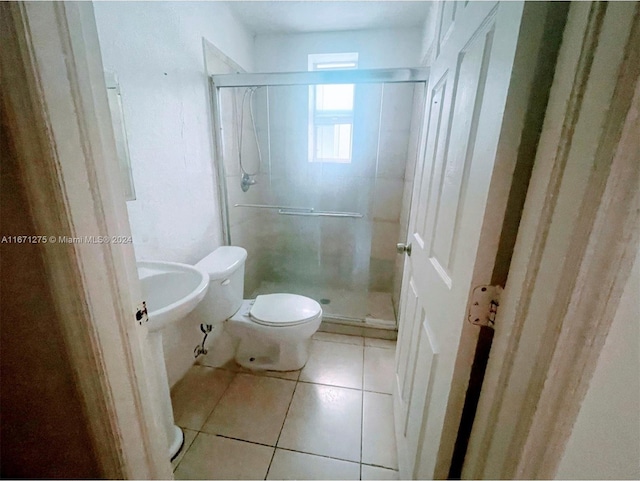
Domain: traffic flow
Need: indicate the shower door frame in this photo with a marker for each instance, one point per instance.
(217, 82)
(419, 75)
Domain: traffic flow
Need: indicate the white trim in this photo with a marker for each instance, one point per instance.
(60, 124)
(596, 273)
(576, 244)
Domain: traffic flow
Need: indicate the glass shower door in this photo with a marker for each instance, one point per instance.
(319, 227)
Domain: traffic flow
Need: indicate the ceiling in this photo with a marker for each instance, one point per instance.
(263, 17)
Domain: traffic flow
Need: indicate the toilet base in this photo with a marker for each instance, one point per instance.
(259, 354)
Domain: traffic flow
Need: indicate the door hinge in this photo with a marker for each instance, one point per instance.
(141, 313)
(484, 305)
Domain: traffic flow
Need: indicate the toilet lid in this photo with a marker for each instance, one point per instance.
(284, 309)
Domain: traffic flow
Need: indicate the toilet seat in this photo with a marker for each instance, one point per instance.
(279, 310)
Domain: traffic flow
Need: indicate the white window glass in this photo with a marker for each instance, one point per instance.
(333, 143)
(331, 111)
(334, 97)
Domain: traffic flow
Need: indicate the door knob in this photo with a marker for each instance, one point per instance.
(404, 248)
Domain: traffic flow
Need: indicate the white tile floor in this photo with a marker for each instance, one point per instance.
(331, 420)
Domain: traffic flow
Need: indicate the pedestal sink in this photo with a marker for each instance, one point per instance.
(171, 291)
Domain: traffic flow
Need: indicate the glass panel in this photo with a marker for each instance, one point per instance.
(347, 264)
(334, 97)
(333, 142)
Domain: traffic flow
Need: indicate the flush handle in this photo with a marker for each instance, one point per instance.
(403, 249)
(226, 282)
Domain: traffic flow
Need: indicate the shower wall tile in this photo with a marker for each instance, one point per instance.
(405, 210)
(397, 105)
(250, 159)
(388, 199)
(398, 270)
(228, 106)
(298, 106)
(392, 157)
(385, 238)
(252, 275)
(381, 275)
(278, 150)
(345, 194)
(230, 150)
(263, 138)
(414, 132)
(246, 235)
(337, 235)
(366, 129)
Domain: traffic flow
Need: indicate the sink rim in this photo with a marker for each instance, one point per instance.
(160, 318)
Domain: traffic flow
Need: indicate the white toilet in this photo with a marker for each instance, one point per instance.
(274, 331)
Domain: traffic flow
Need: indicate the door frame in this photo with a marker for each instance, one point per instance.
(71, 181)
(56, 104)
(540, 31)
(533, 390)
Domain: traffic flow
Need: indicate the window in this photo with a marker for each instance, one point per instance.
(331, 111)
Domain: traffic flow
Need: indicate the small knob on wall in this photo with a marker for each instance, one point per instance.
(403, 248)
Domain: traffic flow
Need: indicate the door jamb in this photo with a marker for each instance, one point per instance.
(58, 115)
(603, 244)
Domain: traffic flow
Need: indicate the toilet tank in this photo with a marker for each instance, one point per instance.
(225, 267)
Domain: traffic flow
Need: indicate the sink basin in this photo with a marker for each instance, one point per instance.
(171, 290)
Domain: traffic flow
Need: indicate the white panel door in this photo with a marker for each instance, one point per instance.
(466, 99)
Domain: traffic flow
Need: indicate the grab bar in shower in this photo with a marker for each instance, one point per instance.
(321, 213)
(305, 211)
(278, 207)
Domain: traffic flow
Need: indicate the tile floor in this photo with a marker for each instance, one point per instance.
(331, 420)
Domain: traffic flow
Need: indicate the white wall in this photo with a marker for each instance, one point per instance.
(605, 442)
(384, 48)
(156, 50)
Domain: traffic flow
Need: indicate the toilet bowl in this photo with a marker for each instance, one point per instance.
(273, 331)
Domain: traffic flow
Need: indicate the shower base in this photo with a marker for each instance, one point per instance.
(342, 308)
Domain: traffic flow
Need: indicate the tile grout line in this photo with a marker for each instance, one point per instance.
(297, 380)
(233, 378)
(283, 421)
(319, 455)
(199, 430)
(293, 450)
(345, 387)
(223, 436)
(185, 452)
(332, 385)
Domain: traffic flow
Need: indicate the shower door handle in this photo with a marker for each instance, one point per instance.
(403, 249)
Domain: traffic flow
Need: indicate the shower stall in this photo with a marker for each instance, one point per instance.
(311, 174)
